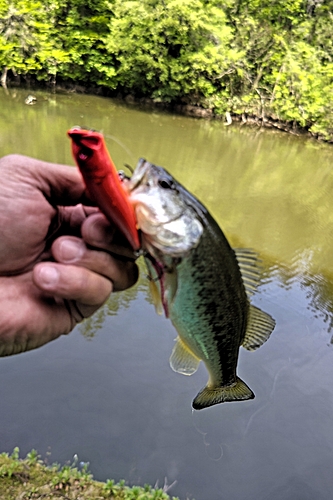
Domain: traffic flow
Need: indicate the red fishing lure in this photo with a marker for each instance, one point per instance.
(103, 182)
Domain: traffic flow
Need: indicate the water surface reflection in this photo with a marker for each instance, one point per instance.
(114, 400)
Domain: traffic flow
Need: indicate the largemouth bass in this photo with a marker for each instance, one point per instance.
(196, 279)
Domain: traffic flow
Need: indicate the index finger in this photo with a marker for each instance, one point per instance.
(60, 184)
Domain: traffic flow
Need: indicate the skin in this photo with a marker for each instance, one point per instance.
(55, 261)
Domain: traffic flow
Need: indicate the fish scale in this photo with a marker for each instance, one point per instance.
(216, 318)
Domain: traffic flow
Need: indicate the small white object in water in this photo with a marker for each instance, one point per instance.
(228, 118)
(31, 99)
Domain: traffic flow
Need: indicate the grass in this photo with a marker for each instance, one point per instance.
(30, 478)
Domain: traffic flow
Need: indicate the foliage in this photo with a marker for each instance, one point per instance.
(82, 27)
(172, 49)
(28, 43)
(263, 58)
(134, 493)
(31, 478)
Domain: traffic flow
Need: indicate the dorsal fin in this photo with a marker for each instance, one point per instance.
(259, 327)
(250, 268)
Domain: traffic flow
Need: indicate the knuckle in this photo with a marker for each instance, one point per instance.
(126, 277)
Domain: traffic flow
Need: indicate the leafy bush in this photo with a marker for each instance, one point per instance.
(172, 49)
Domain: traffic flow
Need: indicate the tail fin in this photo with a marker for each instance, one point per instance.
(209, 397)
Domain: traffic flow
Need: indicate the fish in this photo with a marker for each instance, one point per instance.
(103, 182)
(199, 281)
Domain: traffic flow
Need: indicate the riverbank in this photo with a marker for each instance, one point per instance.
(196, 111)
(31, 478)
(178, 107)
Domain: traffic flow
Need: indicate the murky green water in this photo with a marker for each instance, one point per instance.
(114, 400)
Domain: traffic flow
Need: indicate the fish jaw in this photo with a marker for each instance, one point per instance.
(158, 205)
(103, 182)
(167, 223)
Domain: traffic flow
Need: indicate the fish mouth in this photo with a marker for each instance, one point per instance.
(149, 222)
(142, 187)
(140, 171)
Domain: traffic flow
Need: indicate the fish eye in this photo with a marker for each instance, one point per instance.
(166, 184)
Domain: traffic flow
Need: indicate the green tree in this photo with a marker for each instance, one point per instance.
(26, 41)
(82, 28)
(172, 49)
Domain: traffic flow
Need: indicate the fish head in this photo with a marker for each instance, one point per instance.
(87, 146)
(166, 219)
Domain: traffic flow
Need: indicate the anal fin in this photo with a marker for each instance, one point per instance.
(260, 326)
(182, 360)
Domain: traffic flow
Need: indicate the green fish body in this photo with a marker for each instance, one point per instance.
(199, 282)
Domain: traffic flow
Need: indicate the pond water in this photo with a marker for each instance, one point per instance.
(106, 392)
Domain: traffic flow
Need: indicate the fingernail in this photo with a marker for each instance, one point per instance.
(70, 250)
(48, 276)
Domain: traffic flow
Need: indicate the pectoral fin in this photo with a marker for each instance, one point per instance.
(260, 326)
(156, 296)
(182, 360)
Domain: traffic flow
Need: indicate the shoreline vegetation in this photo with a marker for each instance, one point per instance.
(254, 61)
(30, 478)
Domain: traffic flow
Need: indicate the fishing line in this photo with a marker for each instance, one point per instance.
(131, 169)
(207, 444)
(166, 486)
(268, 402)
(122, 145)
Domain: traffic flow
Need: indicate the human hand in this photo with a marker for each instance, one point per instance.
(55, 265)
